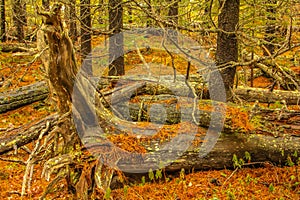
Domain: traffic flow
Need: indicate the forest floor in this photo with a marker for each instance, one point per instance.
(264, 182)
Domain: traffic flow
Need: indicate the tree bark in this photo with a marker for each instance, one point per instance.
(173, 19)
(2, 22)
(72, 18)
(270, 27)
(23, 96)
(20, 137)
(262, 149)
(39, 91)
(19, 17)
(227, 45)
(21, 47)
(86, 35)
(62, 60)
(116, 39)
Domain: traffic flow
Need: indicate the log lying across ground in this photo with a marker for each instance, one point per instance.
(267, 141)
(16, 47)
(262, 149)
(22, 136)
(23, 96)
(39, 91)
(265, 96)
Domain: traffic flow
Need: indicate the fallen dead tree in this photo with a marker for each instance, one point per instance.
(262, 149)
(17, 47)
(22, 136)
(23, 96)
(266, 96)
(39, 91)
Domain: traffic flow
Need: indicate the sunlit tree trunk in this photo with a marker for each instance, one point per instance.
(2, 21)
(116, 40)
(227, 44)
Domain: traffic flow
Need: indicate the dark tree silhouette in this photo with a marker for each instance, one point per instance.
(86, 33)
(2, 21)
(227, 44)
(116, 51)
(19, 18)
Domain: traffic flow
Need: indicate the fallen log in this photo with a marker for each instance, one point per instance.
(39, 91)
(23, 96)
(261, 148)
(265, 96)
(16, 47)
(267, 141)
(169, 109)
(22, 136)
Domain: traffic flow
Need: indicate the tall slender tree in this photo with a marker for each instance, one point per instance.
(86, 34)
(2, 21)
(72, 19)
(270, 27)
(173, 18)
(227, 44)
(19, 18)
(116, 40)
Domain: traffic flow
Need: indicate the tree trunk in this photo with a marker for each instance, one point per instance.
(19, 15)
(270, 27)
(227, 45)
(116, 39)
(173, 19)
(63, 68)
(23, 96)
(72, 18)
(86, 35)
(149, 21)
(2, 21)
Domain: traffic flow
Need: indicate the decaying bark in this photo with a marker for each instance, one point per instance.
(62, 57)
(39, 91)
(266, 96)
(19, 137)
(261, 148)
(20, 47)
(23, 96)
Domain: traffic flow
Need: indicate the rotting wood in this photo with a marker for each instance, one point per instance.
(19, 47)
(23, 96)
(39, 91)
(19, 137)
(261, 148)
(266, 96)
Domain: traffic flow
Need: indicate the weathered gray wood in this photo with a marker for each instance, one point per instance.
(265, 96)
(19, 137)
(262, 148)
(13, 47)
(22, 96)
